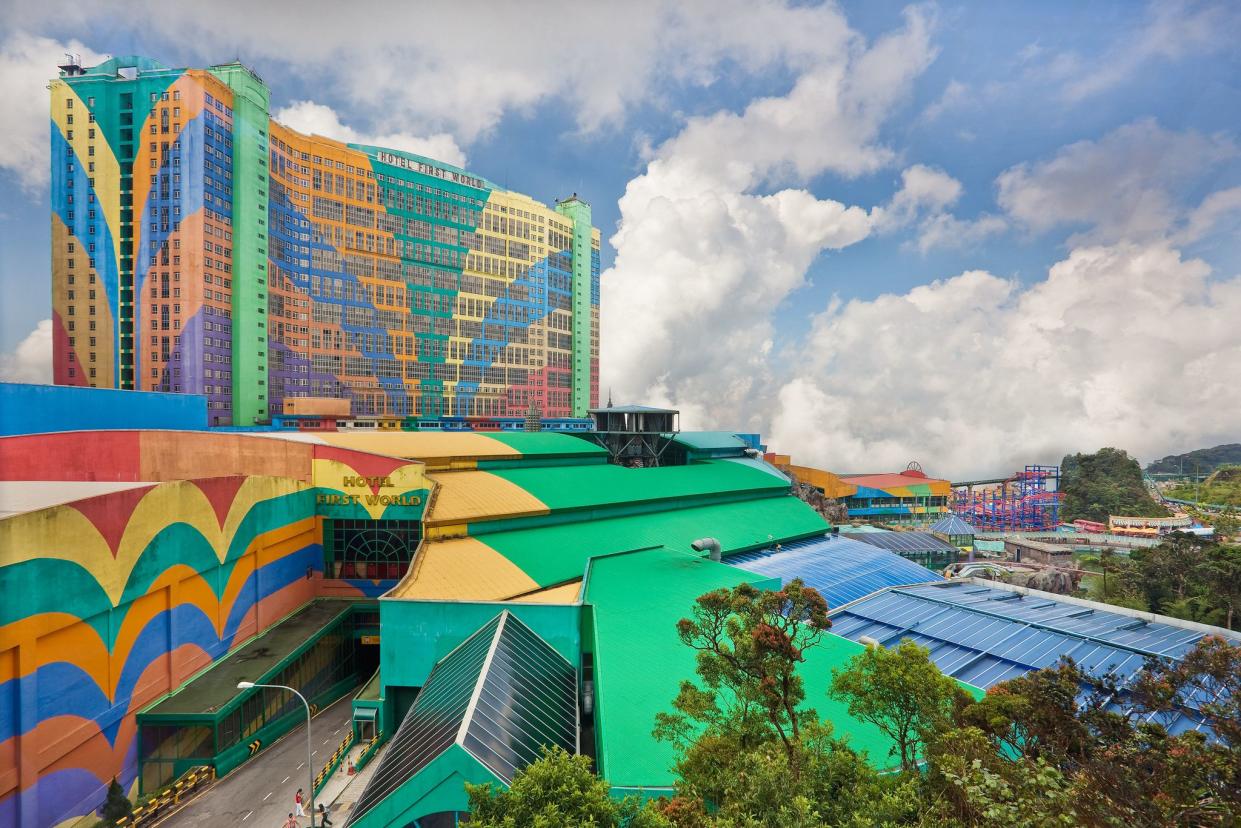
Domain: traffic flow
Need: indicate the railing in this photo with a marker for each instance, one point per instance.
(342, 750)
(369, 751)
(172, 795)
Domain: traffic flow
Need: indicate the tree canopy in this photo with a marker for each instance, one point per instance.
(1108, 482)
(1050, 748)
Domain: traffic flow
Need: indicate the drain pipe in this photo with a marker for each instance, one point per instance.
(708, 545)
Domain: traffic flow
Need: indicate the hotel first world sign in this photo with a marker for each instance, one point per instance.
(371, 498)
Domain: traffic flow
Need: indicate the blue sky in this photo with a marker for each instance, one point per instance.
(875, 233)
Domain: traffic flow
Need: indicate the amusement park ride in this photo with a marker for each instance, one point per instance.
(1029, 501)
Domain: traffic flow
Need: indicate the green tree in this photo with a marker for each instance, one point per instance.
(117, 805)
(1108, 482)
(556, 790)
(749, 643)
(1036, 716)
(900, 691)
(1222, 578)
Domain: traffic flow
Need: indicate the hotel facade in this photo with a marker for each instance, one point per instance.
(200, 247)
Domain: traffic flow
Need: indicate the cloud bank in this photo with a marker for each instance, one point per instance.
(31, 360)
(1129, 345)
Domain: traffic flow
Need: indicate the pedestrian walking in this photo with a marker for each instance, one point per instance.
(298, 801)
(291, 822)
(323, 817)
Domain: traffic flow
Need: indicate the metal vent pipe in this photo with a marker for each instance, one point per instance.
(708, 545)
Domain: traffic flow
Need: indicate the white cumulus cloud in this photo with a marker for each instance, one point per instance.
(704, 256)
(27, 63)
(1126, 185)
(1129, 345)
(31, 360)
(459, 67)
(313, 118)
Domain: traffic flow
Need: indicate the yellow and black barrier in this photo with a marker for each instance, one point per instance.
(342, 750)
(369, 751)
(150, 810)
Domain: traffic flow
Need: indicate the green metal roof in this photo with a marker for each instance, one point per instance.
(708, 440)
(542, 444)
(604, 484)
(554, 554)
(639, 661)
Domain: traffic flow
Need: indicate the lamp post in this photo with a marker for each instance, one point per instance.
(310, 757)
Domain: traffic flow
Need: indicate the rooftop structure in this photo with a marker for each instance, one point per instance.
(200, 247)
(923, 547)
(636, 435)
(490, 705)
(984, 633)
(840, 568)
(909, 497)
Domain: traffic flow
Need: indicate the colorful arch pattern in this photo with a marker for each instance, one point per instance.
(113, 600)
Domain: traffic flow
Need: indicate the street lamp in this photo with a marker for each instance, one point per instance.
(310, 757)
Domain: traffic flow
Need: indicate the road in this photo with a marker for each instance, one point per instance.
(260, 793)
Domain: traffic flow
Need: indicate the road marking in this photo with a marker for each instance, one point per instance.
(314, 753)
(328, 739)
(337, 730)
(269, 793)
(247, 816)
(301, 765)
(286, 779)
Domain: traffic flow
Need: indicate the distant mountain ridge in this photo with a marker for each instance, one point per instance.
(1200, 460)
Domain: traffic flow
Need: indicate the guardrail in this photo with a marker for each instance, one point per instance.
(342, 750)
(172, 795)
(369, 751)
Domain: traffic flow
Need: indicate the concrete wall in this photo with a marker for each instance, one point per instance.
(34, 409)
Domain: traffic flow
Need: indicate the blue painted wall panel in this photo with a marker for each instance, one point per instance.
(35, 409)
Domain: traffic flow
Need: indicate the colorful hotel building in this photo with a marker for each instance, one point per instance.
(200, 247)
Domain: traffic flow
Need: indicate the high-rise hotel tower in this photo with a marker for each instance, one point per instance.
(198, 246)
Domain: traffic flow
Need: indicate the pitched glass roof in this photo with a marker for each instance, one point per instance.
(903, 543)
(984, 635)
(952, 525)
(501, 695)
(843, 570)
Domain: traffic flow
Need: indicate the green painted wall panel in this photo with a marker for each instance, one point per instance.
(578, 212)
(251, 100)
(417, 634)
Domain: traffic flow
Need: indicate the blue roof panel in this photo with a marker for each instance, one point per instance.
(842, 570)
(984, 635)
